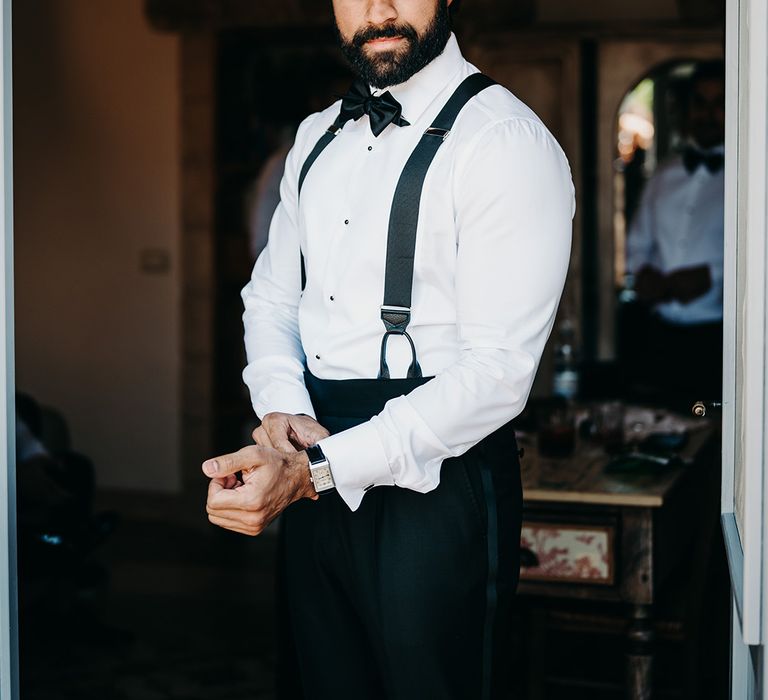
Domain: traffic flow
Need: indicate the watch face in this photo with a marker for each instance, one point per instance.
(321, 478)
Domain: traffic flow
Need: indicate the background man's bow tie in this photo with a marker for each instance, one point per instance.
(693, 158)
(382, 109)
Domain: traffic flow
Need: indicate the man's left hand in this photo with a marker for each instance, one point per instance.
(271, 481)
(689, 283)
(288, 432)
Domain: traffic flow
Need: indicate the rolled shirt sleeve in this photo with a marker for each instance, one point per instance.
(514, 204)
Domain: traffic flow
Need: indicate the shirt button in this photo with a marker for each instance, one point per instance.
(370, 148)
(317, 357)
(346, 221)
(331, 297)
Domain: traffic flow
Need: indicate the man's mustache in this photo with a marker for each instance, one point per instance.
(386, 32)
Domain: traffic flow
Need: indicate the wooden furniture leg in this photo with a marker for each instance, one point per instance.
(640, 638)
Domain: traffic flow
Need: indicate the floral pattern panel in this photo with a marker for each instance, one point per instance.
(567, 553)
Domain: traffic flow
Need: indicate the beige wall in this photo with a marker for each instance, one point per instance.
(96, 139)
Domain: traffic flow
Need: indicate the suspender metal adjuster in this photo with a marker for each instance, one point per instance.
(436, 131)
(395, 318)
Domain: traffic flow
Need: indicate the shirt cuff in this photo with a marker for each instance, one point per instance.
(357, 461)
(283, 399)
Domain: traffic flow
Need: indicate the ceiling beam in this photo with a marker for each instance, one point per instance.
(201, 15)
(212, 15)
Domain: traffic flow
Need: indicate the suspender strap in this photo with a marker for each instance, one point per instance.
(325, 139)
(404, 219)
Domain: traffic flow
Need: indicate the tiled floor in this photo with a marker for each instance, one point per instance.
(187, 615)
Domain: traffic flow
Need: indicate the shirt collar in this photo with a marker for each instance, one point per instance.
(418, 92)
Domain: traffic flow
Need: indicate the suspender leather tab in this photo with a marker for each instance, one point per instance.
(395, 318)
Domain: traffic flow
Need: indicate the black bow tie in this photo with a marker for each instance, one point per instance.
(693, 158)
(382, 109)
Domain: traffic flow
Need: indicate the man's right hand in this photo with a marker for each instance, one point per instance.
(689, 283)
(288, 432)
(651, 285)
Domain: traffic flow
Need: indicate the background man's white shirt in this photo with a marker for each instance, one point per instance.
(492, 253)
(678, 224)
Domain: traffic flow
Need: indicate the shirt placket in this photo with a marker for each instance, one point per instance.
(689, 217)
(351, 195)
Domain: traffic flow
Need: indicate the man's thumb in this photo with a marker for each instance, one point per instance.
(245, 458)
(211, 468)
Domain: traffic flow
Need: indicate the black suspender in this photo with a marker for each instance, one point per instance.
(325, 139)
(404, 216)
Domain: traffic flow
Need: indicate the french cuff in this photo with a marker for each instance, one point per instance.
(283, 399)
(358, 462)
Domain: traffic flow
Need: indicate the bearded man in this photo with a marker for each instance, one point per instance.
(393, 329)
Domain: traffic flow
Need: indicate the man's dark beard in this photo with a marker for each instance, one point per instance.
(394, 67)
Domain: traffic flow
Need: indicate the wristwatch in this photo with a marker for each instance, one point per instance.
(320, 470)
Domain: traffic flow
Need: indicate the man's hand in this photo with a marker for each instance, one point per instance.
(651, 285)
(288, 432)
(272, 480)
(689, 283)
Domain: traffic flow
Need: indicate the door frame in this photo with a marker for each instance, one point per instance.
(744, 310)
(745, 358)
(9, 676)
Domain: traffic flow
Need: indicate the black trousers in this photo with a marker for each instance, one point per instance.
(671, 364)
(409, 596)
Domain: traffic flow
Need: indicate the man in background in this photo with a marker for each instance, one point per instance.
(675, 252)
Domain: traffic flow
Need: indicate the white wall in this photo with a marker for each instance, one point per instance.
(96, 181)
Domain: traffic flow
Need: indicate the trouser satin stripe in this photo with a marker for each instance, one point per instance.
(493, 570)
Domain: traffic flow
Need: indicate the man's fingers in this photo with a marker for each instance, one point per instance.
(233, 525)
(245, 458)
(230, 499)
(278, 428)
(261, 437)
(306, 431)
(228, 482)
(242, 521)
(310, 435)
(285, 445)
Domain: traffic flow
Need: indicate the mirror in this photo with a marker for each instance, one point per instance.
(649, 130)
(668, 232)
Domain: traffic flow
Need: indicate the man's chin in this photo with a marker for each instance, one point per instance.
(384, 69)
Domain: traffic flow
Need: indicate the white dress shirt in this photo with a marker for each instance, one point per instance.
(492, 253)
(680, 223)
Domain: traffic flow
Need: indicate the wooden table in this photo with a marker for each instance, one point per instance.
(593, 535)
